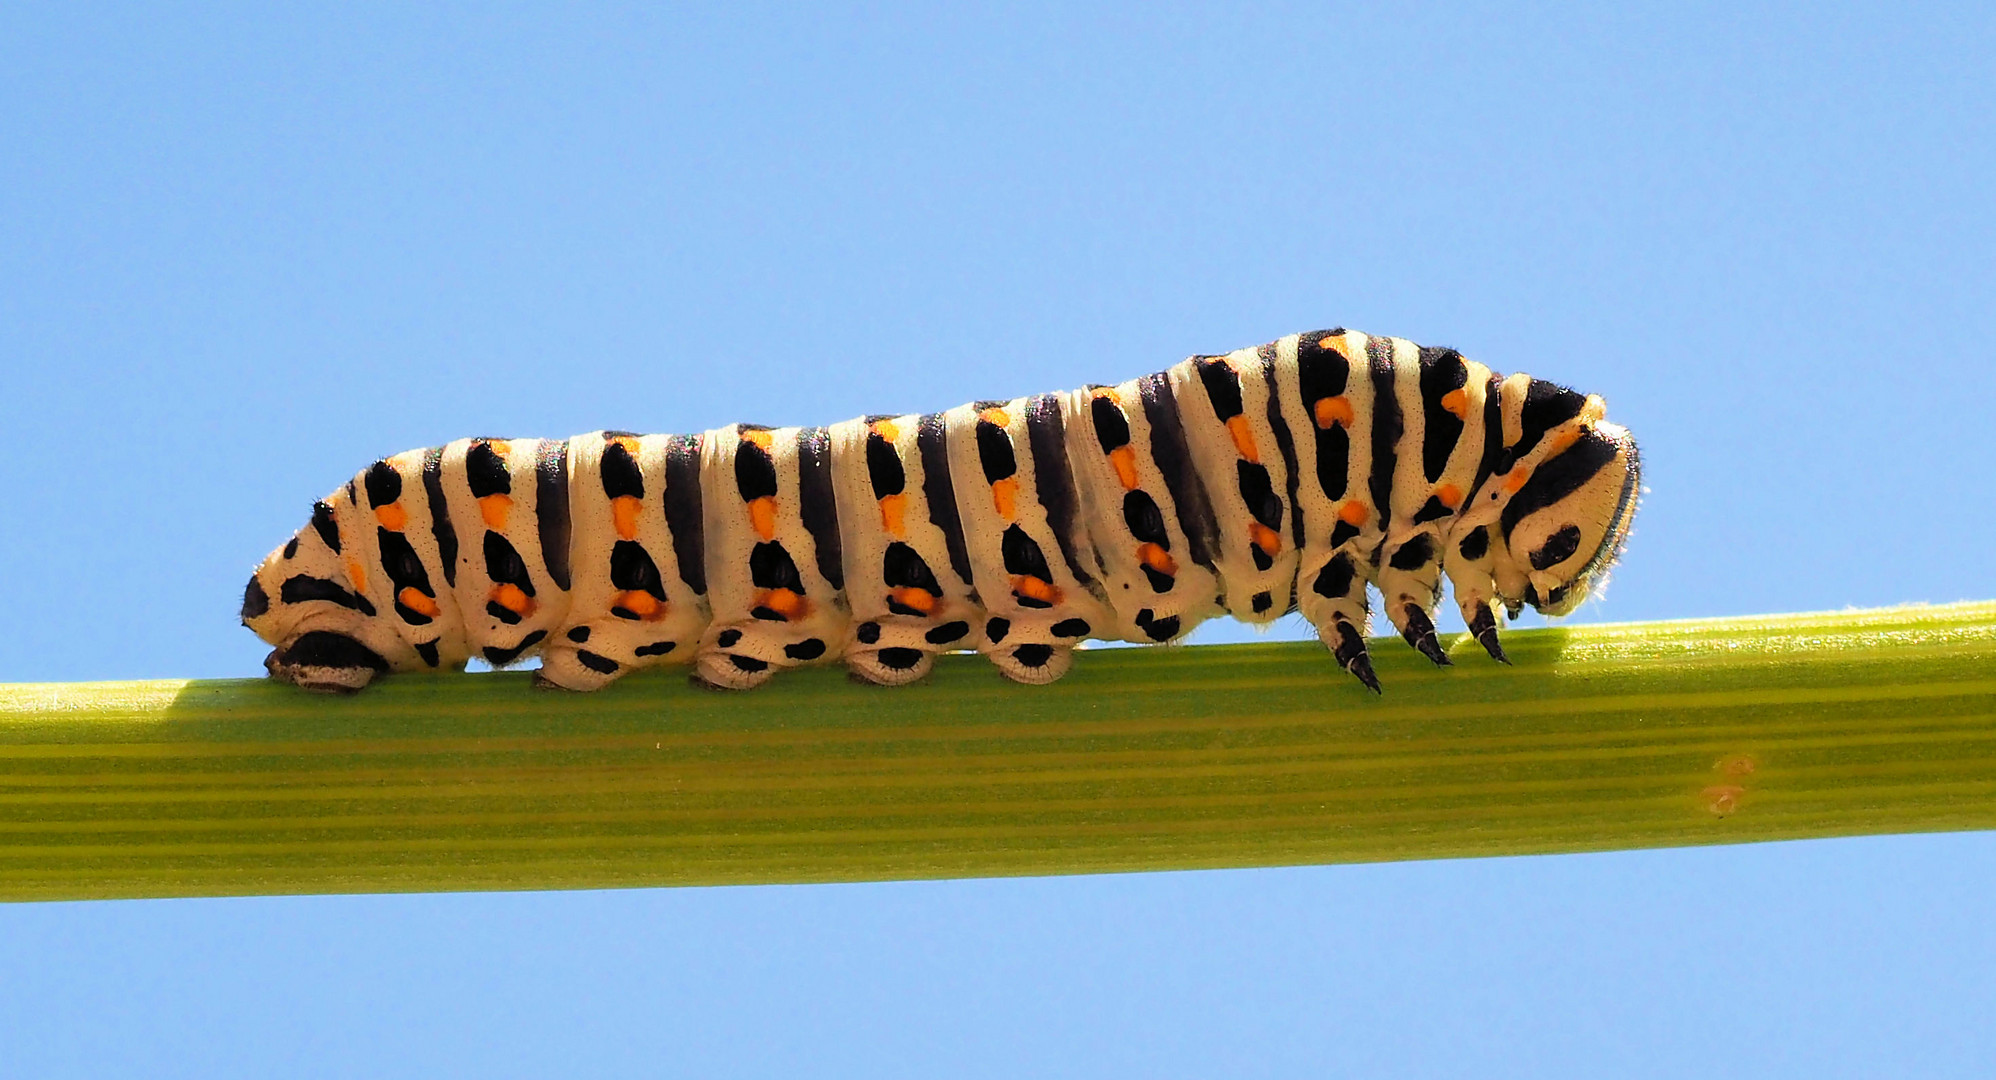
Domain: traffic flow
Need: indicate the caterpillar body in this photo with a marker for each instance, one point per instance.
(1286, 477)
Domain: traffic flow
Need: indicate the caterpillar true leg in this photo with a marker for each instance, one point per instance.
(1333, 599)
(1468, 560)
(1482, 623)
(1346, 640)
(1410, 582)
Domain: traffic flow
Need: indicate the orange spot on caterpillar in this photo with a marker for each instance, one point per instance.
(919, 599)
(1110, 393)
(1265, 538)
(493, 509)
(893, 514)
(392, 517)
(996, 416)
(1329, 344)
(762, 516)
(1005, 496)
(512, 599)
(1561, 442)
(886, 429)
(624, 514)
(1450, 495)
(357, 575)
(1237, 426)
(500, 446)
(1353, 512)
(1157, 559)
(1125, 461)
(1034, 589)
(642, 604)
(629, 444)
(1456, 402)
(1333, 410)
(760, 438)
(1516, 478)
(413, 598)
(791, 605)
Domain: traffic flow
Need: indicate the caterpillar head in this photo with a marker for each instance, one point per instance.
(303, 600)
(1568, 522)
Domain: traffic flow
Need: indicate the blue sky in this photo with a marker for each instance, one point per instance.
(243, 252)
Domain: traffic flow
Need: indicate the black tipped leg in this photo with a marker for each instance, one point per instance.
(1420, 633)
(1351, 653)
(1361, 666)
(1484, 626)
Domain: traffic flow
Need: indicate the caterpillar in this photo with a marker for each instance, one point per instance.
(1292, 476)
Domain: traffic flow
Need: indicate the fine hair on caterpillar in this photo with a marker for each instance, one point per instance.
(1295, 476)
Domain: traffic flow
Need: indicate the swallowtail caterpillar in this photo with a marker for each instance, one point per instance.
(1286, 477)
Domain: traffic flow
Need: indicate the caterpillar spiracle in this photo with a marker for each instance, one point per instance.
(1286, 477)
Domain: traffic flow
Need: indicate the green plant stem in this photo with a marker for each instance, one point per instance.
(1600, 737)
